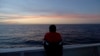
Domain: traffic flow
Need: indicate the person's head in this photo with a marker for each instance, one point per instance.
(52, 28)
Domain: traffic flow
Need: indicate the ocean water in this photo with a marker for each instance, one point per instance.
(12, 36)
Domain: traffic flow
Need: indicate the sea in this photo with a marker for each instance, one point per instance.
(31, 35)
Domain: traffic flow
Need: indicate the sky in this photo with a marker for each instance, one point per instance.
(49, 11)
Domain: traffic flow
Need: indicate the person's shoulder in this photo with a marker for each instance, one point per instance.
(58, 34)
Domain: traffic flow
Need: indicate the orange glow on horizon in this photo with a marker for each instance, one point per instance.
(53, 18)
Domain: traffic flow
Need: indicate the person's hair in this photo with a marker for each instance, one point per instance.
(52, 28)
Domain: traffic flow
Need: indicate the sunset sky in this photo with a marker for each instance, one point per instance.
(49, 11)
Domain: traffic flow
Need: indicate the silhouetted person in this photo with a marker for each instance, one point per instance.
(53, 42)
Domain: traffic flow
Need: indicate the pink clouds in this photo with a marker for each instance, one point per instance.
(52, 16)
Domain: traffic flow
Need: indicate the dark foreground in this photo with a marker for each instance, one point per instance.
(69, 50)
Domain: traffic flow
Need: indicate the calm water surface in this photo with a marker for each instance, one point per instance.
(12, 36)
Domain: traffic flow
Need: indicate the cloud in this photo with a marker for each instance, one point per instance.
(50, 18)
(64, 16)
